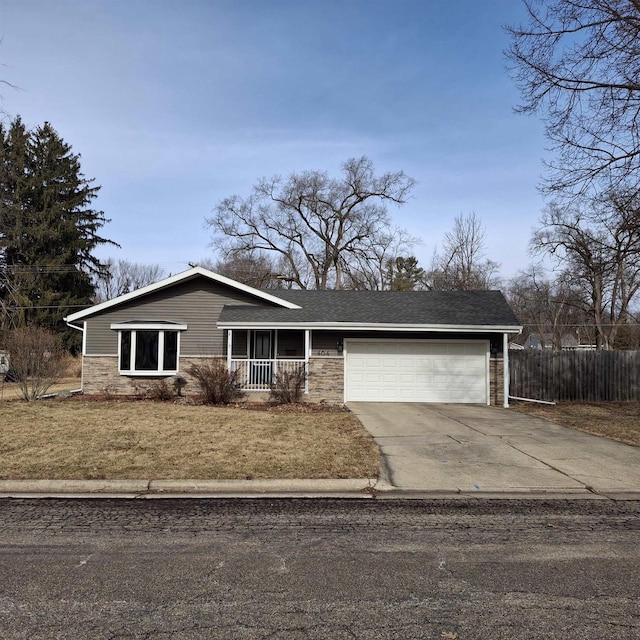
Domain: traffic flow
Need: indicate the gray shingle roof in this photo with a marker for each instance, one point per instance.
(473, 308)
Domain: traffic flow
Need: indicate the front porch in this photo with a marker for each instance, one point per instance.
(259, 375)
(259, 355)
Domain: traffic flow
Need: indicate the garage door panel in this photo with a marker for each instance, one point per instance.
(416, 371)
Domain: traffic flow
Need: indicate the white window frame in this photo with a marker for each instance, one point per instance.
(161, 328)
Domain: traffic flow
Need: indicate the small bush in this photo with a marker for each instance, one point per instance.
(109, 391)
(217, 384)
(152, 389)
(160, 390)
(288, 386)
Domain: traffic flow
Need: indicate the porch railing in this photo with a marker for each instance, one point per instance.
(258, 375)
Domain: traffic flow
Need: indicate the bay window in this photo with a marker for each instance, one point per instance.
(148, 348)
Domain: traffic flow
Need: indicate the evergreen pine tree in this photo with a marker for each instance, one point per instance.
(14, 187)
(405, 274)
(48, 230)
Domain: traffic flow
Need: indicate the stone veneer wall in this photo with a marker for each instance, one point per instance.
(496, 382)
(100, 376)
(326, 380)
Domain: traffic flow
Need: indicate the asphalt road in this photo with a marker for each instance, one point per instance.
(368, 569)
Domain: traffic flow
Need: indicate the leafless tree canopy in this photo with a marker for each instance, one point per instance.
(578, 62)
(551, 307)
(322, 232)
(253, 269)
(597, 246)
(123, 277)
(374, 267)
(462, 264)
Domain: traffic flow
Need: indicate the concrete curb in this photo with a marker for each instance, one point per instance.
(529, 494)
(73, 486)
(354, 487)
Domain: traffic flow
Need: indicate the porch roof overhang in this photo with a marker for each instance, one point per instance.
(359, 326)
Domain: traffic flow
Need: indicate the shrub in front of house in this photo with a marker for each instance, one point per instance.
(288, 386)
(160, 391)
(217, 384)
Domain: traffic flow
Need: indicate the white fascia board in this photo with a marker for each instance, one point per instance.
(159, 326)
(179, 277)
(351, 326)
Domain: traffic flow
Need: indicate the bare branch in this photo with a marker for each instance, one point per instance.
(462, 263)
(323, 230)
(578, 63)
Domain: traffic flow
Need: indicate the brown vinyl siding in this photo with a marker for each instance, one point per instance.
(196, 303)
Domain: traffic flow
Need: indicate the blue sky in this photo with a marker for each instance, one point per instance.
(176, 104)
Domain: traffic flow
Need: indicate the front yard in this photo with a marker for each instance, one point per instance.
(616, 420)
(12, 391)
(80, 439)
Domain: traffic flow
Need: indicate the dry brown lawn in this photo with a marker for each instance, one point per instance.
(616, 420)
(11, 391)
(80, 439)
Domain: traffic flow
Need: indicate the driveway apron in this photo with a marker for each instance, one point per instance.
(475, 448)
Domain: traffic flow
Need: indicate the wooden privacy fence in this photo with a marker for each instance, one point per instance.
(579, 376)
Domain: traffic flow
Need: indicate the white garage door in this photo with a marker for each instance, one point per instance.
(416, 371)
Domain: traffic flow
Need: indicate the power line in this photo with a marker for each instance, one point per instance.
(55, 306)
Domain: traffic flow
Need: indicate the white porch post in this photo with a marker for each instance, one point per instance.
(505, 361)
(229, 347)
(275, 352)
(307, 349)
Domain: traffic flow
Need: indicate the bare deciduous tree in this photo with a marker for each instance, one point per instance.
(597, 244)
(36, 358)
(550, 307)
(578, 62)
(462, 264)
(319, 228)
(253, 269)
(371, 266)
(123, 277)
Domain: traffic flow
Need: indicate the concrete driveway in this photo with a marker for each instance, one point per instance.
(475, 448)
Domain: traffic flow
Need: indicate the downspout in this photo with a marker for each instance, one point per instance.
(505, 368)
(307, 349)
(84, 335)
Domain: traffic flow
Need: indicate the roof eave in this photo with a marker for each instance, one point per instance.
(373, 326)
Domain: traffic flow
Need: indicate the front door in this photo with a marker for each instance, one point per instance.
(261, 372)
(262, 345)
